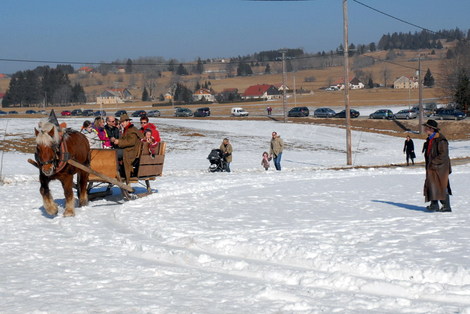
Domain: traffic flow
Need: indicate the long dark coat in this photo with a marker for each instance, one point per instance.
(132, 146)
(438, 168)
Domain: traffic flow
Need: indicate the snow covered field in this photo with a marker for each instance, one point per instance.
(307, 239)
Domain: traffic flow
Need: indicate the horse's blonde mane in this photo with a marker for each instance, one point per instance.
(43, 137)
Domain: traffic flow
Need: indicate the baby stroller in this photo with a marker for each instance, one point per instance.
(216, 158)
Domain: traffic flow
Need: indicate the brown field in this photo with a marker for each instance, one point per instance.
(404, 64)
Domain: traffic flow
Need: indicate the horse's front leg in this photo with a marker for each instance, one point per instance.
(82, 182)
(48, 202)
(67, 184)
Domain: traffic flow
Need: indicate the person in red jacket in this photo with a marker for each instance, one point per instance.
(144, 125)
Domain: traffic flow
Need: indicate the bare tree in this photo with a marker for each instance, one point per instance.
(386, 73)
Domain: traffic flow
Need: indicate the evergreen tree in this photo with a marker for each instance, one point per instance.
(244, 69)
(129, 68)
(197, 87)
(370, 84)
(181, 70)
(78, 94)
(65, 68)
(171, 65)
(462, 92)
(199, 66)
(267, 69)
(428, 79)
(145, 95)
(182, 93)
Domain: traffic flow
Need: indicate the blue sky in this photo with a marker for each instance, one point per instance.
(105, 30)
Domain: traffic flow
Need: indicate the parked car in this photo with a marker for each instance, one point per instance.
(30, 112)
(183, 112)
(77, 112)
(449, 114)
(87, 112)
(12, 112)
(324, 113)
(100, 113)
(332, 88)
(119, 113)
(382, 114)
(427, 111)
(202, 112)
(298, 112)
(2, 112)
(44, 112)
(139, 113)
(239, 112)
(406, 114)
(352, 113)
(153, 113)
(66, 113)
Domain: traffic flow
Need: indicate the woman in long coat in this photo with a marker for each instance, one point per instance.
(409, 149)
(438, 168)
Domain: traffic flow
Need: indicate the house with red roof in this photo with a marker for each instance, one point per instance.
(203, 94)
(85, 70)
(261, 91)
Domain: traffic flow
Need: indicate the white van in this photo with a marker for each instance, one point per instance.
(239, 112)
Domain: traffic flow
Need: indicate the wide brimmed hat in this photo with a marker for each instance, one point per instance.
(431, 124)
(124, 117)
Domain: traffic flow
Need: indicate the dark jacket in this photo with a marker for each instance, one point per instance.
(112, 132)
(438, 168)
(409, 146)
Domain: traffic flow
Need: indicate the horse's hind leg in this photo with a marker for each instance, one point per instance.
(48, 202)
(67, 184)
(82, 182)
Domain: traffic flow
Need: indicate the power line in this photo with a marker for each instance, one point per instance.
(394, 17)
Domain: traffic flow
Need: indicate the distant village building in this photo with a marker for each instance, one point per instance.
(114, 96)
(168, 97)
(354, 83)
(280, 87)
(261, 91)
(1, 98)
(203, 94)
(85, 70)
(405, 82)
(121, 70)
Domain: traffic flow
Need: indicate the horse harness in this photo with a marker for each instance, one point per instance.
(61, 156)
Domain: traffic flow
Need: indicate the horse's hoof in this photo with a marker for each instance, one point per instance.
(52, 212)
(69, 213)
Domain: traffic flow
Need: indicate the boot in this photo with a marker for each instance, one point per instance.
(434, 206)
(445, 205)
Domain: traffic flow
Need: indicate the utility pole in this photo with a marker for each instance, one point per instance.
(284, 84)
(346, 83)
(420, 93)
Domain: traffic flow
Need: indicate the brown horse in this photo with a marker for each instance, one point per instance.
(52, 152)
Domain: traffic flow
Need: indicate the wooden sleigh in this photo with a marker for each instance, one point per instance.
(105, 171)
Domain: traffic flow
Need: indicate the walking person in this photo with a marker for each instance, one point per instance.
(275, 151)
(269, 110)
(409, 150)
(438, 168)
(265, 161)
(227, 150)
